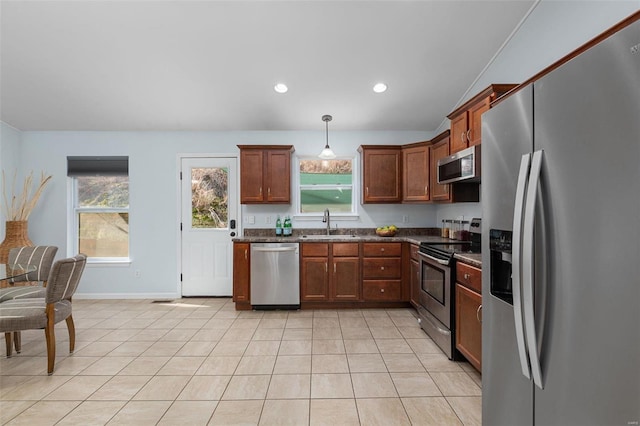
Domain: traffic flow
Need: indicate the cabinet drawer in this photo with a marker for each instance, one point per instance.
(315, 249)
(382, 267)
(469, 276)
(345, 249)
(381, 290)
(413, 251)
(382, 249)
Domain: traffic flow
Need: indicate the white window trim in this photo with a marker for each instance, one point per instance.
(72, 226)
(355, 190)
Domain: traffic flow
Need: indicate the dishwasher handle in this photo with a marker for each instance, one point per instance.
(275, 249)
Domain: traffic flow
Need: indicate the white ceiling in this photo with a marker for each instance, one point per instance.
(212, 65)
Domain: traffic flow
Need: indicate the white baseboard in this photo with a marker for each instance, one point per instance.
(154, 296)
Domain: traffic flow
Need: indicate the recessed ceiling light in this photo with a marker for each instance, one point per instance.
(280, 88)
(380, 87)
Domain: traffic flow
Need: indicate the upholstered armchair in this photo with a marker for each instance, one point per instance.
(44, 313)
(42, 257)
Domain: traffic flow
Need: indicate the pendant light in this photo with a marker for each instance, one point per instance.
(327, 153)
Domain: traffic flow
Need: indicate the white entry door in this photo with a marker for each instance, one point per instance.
(209, 218)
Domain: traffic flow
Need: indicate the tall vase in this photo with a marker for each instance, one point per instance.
(16, 235)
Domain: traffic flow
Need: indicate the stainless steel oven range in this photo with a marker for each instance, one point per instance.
(436, 309)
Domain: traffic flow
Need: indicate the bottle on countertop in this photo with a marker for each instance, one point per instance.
(278, 227)
(287, 230)
(445, 228)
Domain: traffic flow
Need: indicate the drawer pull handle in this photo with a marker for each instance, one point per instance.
(382, 290)
(467, 276)
(478, 314)
(382, 268)
(382, 249)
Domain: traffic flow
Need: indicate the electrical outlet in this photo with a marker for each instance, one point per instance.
(251, 220)
(405, 219)
(267, 220)
(137, 273)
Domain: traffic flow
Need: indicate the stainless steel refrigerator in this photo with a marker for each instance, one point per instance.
(561, 244)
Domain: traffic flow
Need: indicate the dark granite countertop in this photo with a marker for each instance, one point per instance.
(473, 259)
(356, 235)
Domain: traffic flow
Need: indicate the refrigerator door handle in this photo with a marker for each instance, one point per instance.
(528, 262)
(516, 263)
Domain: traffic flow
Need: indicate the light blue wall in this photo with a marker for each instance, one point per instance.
(9, 161)
(153, 174)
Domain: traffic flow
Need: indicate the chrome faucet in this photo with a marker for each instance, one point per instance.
(326, 219)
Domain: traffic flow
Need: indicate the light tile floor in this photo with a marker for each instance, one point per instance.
(197, 361)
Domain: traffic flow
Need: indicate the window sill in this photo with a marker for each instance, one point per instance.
(319, 216)
(108, 263)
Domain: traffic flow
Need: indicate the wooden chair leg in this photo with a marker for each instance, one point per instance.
(50, 335)
(72, 333)
(7, 338)
(17, 341)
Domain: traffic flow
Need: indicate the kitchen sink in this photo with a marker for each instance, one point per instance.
(329, 237)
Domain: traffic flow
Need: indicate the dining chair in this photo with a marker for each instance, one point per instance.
(44, 313)
(42, 257)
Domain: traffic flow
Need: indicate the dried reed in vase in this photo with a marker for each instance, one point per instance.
(19, 207)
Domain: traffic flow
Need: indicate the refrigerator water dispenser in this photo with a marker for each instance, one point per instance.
(500, 247)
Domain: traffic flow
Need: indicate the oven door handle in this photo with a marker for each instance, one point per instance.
(440, 261)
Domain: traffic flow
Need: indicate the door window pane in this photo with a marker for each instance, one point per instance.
(209, 197)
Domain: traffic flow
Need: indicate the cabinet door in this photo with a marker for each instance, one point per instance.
(315, 278)
(251, 176)
(475, 121)
(438, 151)
(241, 270)
(346, 278)
(468, 325)
(382, 178)
(459, 127)
(415, 179)
(278, 176)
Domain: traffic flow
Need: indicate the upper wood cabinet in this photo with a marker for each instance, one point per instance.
(265, 174)
(438, 150)
(466, 121)
(415, 172)
(381, 173)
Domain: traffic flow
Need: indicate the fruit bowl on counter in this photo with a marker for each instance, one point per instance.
(386, 231)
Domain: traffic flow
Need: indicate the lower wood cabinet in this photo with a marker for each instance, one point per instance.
(382, 271)
(330, 272)
(469, 313)
(241, 273)
(382, 290)
(338, 272)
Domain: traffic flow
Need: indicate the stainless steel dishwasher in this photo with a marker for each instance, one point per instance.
(275, 276)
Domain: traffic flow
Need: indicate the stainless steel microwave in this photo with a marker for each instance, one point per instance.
(462, 166)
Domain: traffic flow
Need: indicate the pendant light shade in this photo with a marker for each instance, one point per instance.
(327, 153)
